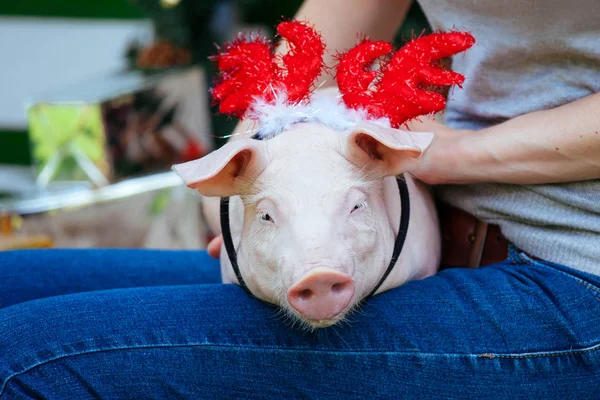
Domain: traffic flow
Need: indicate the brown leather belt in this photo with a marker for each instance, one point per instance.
(468, 241)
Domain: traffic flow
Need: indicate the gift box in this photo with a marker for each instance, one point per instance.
(118, 126)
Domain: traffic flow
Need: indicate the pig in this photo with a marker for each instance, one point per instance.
(314, 214)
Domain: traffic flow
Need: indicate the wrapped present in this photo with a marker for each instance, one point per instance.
(120, 126)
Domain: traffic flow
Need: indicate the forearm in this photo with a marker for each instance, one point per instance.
(550, 146)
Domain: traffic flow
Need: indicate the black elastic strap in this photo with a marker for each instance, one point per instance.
(226, 231)
(398, 245)
(402, 231)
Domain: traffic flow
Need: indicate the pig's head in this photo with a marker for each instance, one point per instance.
(316, 234)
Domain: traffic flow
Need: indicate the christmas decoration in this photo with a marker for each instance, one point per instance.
(252, 85)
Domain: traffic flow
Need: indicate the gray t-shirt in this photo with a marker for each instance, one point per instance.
(530, 55)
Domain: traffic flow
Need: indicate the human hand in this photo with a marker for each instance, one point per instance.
(214, 247)
(437, 164)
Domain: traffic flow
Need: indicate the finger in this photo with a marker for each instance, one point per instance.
(214, 247)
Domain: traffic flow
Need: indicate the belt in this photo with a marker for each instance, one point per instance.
(468, 241)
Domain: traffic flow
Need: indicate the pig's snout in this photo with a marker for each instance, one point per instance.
(321, 294)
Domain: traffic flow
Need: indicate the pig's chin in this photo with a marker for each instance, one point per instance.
(310, 323)
(324, 323)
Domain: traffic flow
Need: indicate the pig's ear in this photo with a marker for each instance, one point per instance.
(222, 172)
(388, 150)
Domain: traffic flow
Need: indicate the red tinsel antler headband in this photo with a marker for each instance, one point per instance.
(250, 74)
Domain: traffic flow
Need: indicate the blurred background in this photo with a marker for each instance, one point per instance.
(98, 99)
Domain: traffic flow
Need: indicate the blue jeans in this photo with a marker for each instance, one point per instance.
(125, 324)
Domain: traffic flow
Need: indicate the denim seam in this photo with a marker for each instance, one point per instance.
(526, 260)
(485, 355)
(587, 285)
(492, 356)
(577, 279)
(513, 254)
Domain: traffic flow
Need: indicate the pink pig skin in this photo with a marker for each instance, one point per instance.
(315, 213)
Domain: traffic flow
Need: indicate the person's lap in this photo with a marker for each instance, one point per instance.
(152, 324)
(34, 274)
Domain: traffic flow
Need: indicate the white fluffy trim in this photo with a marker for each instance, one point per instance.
(276, 117)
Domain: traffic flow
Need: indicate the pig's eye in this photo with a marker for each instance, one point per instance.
(358, 206)
(266, 217)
